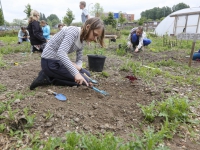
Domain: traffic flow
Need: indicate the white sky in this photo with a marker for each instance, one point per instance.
(13, 9)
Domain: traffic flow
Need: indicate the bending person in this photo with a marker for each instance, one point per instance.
(137, 39)
(38, 42)
(45, 29)
(57, 68)
(23, 35)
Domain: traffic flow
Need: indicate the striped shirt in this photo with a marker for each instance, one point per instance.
(61, 44)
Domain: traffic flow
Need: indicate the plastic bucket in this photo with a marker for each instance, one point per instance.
(96, 62)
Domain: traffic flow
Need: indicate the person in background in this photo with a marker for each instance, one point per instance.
(84, 15)
(23, 35)
(37, 39)
(137, 39)
(60, 26)
(57, 68)
(45, 29)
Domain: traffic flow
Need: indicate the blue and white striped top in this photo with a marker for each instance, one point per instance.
(61, 44)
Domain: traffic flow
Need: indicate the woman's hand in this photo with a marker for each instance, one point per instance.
(80, 80)
(76, 66)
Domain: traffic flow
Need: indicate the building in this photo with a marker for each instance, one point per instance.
(129, 17)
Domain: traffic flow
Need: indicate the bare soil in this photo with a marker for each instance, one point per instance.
(85, 110)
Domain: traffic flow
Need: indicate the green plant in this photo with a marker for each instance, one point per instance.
(2, 127)
(174, 108)
(105, 74)
(48, 115)
(2, 88)
(120, 52)
(149, 111)
(30, 118)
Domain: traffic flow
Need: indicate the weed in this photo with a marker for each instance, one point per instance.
(105, 74)
(2, 128)
(2, 88)
(48, 115)
(120, 52)
(149, 111)
(30, 118)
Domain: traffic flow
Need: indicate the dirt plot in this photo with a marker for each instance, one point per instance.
(85, 110)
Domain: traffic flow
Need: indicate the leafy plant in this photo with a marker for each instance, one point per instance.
(105, 74)
(2, 88)
(48, 115)
(149, 111)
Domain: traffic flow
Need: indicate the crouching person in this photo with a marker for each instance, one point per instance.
(38, 42)
(57, 68)
(23, 35)
(137, 39)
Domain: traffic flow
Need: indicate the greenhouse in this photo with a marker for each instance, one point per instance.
(185, 20)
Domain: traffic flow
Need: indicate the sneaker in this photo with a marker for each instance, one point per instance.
(42, 79)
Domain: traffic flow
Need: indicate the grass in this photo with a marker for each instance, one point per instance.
(174, 111)
(2, 88)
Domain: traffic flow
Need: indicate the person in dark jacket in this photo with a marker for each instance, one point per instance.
(37, 39)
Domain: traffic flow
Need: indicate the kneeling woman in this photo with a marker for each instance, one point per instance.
(137, 39)
(57, 68)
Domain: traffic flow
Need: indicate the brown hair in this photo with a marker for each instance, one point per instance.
(83, 3)
(60, 24)
(33, 16)
(140, 28)
(43, 21)
(94, 23)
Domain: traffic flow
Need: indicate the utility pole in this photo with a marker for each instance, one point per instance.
(3, 16)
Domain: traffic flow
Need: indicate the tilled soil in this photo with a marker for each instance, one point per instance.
(85, 110)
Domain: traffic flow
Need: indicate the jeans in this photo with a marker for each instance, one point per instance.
(135, 40)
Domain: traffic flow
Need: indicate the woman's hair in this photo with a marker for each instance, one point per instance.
(83, 3)
(34, 16)
(43, 21)
(23, 28)
(94, 23)
(140, 28)
(60, 24)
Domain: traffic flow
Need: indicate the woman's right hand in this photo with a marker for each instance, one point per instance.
(79, 79)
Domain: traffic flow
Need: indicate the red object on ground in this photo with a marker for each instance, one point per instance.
(131, 78)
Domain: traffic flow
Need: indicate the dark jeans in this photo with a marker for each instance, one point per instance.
(55, 69)
(135, 40)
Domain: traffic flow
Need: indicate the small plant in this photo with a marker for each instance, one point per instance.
(149, 111)
(120, 52)
(2, 88)
(99, 51)
(30, 118)
(48, 115)
(2, 128)
(105, 74)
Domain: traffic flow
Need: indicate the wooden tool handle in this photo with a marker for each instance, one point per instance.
(49, 91)
(87, 76)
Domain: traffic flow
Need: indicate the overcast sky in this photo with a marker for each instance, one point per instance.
(13, 9)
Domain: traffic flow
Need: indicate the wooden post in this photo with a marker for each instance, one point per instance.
(191, 54)
(198, 24)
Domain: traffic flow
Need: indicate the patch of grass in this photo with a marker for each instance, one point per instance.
(2, 88)
(2, 63)
(120, 52)
(166, 63)
(149, 111)
(48, 115)
(105, 74)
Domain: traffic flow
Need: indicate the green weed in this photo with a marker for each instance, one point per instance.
(105, 74)
(2, 88)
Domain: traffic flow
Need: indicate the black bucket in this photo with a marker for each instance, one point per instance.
(96, 62)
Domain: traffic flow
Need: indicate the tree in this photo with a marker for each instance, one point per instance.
(180, 6)
(97, 10)
(110, 20)
(52, 17)
(19, 22)
(69, 17)
(28, 10)
(142, 20)
(1, 17)
(122, 19)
